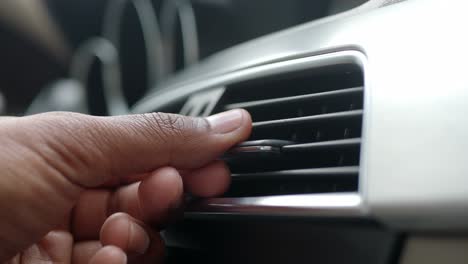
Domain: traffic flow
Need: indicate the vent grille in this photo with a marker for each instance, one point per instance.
(321, 111)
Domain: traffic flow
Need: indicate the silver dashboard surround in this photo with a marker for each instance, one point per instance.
(348, 205)
(414, 171)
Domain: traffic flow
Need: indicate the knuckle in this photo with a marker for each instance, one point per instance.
(147, 125)
(173, 125)
(161, 124)
(173, 131)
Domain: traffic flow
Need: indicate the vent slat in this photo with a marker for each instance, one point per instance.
(350, 171)
(295, 99)
(308, 119)
(352, 142)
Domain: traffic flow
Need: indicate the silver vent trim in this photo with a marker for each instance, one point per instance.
(313, 205)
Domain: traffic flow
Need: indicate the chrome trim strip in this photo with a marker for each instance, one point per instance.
(315, 205)
(325, 172)
(255, 149)
(322, 144)
(305, 119)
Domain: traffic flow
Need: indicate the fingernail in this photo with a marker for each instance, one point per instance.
(140, 246)
(146, 243)
(226, 122)
(124, 259)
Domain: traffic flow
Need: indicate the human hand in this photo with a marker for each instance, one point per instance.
(64, 178)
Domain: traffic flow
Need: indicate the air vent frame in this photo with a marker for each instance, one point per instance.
(317, 205)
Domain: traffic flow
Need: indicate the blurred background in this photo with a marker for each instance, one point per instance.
(100, 56)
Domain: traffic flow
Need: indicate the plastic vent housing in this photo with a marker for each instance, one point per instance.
(321, 111)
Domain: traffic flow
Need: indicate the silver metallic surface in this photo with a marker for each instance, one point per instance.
(303, 119)
(307, 97)
(318, 205)
(247, 149)
(322, 144)
(414, 160)
(310, 172)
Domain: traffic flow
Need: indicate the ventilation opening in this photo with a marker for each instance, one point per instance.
(320, 110)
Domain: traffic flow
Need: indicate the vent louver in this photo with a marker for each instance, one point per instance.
(321, 111)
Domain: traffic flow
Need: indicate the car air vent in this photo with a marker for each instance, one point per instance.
(320, 111)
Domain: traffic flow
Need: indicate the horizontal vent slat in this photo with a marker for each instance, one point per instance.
(308, 119)
(309, 173)
(344, 204)
(323, 145)
(295, 99)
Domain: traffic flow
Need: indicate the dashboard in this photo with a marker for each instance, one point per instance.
(371, 97)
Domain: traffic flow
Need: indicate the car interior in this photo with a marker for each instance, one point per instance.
(358, 152)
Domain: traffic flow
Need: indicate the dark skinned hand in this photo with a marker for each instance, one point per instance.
(81, 189)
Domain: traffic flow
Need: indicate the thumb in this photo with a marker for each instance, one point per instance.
(90, 150)
(48, 159)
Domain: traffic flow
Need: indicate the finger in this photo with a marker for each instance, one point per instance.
(58, 245)
(160, 195)
(125, 232)
(156, 199)
(141, 244)
(156, 252)
(89, 213)
(95, 206)
(90, 150)
(109, 254)
(84, 251)
(55, 247)
(211, 180)
(152, 201)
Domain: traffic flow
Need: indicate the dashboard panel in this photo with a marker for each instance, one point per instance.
(396, 74)
(412, 172)
(371, 94)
